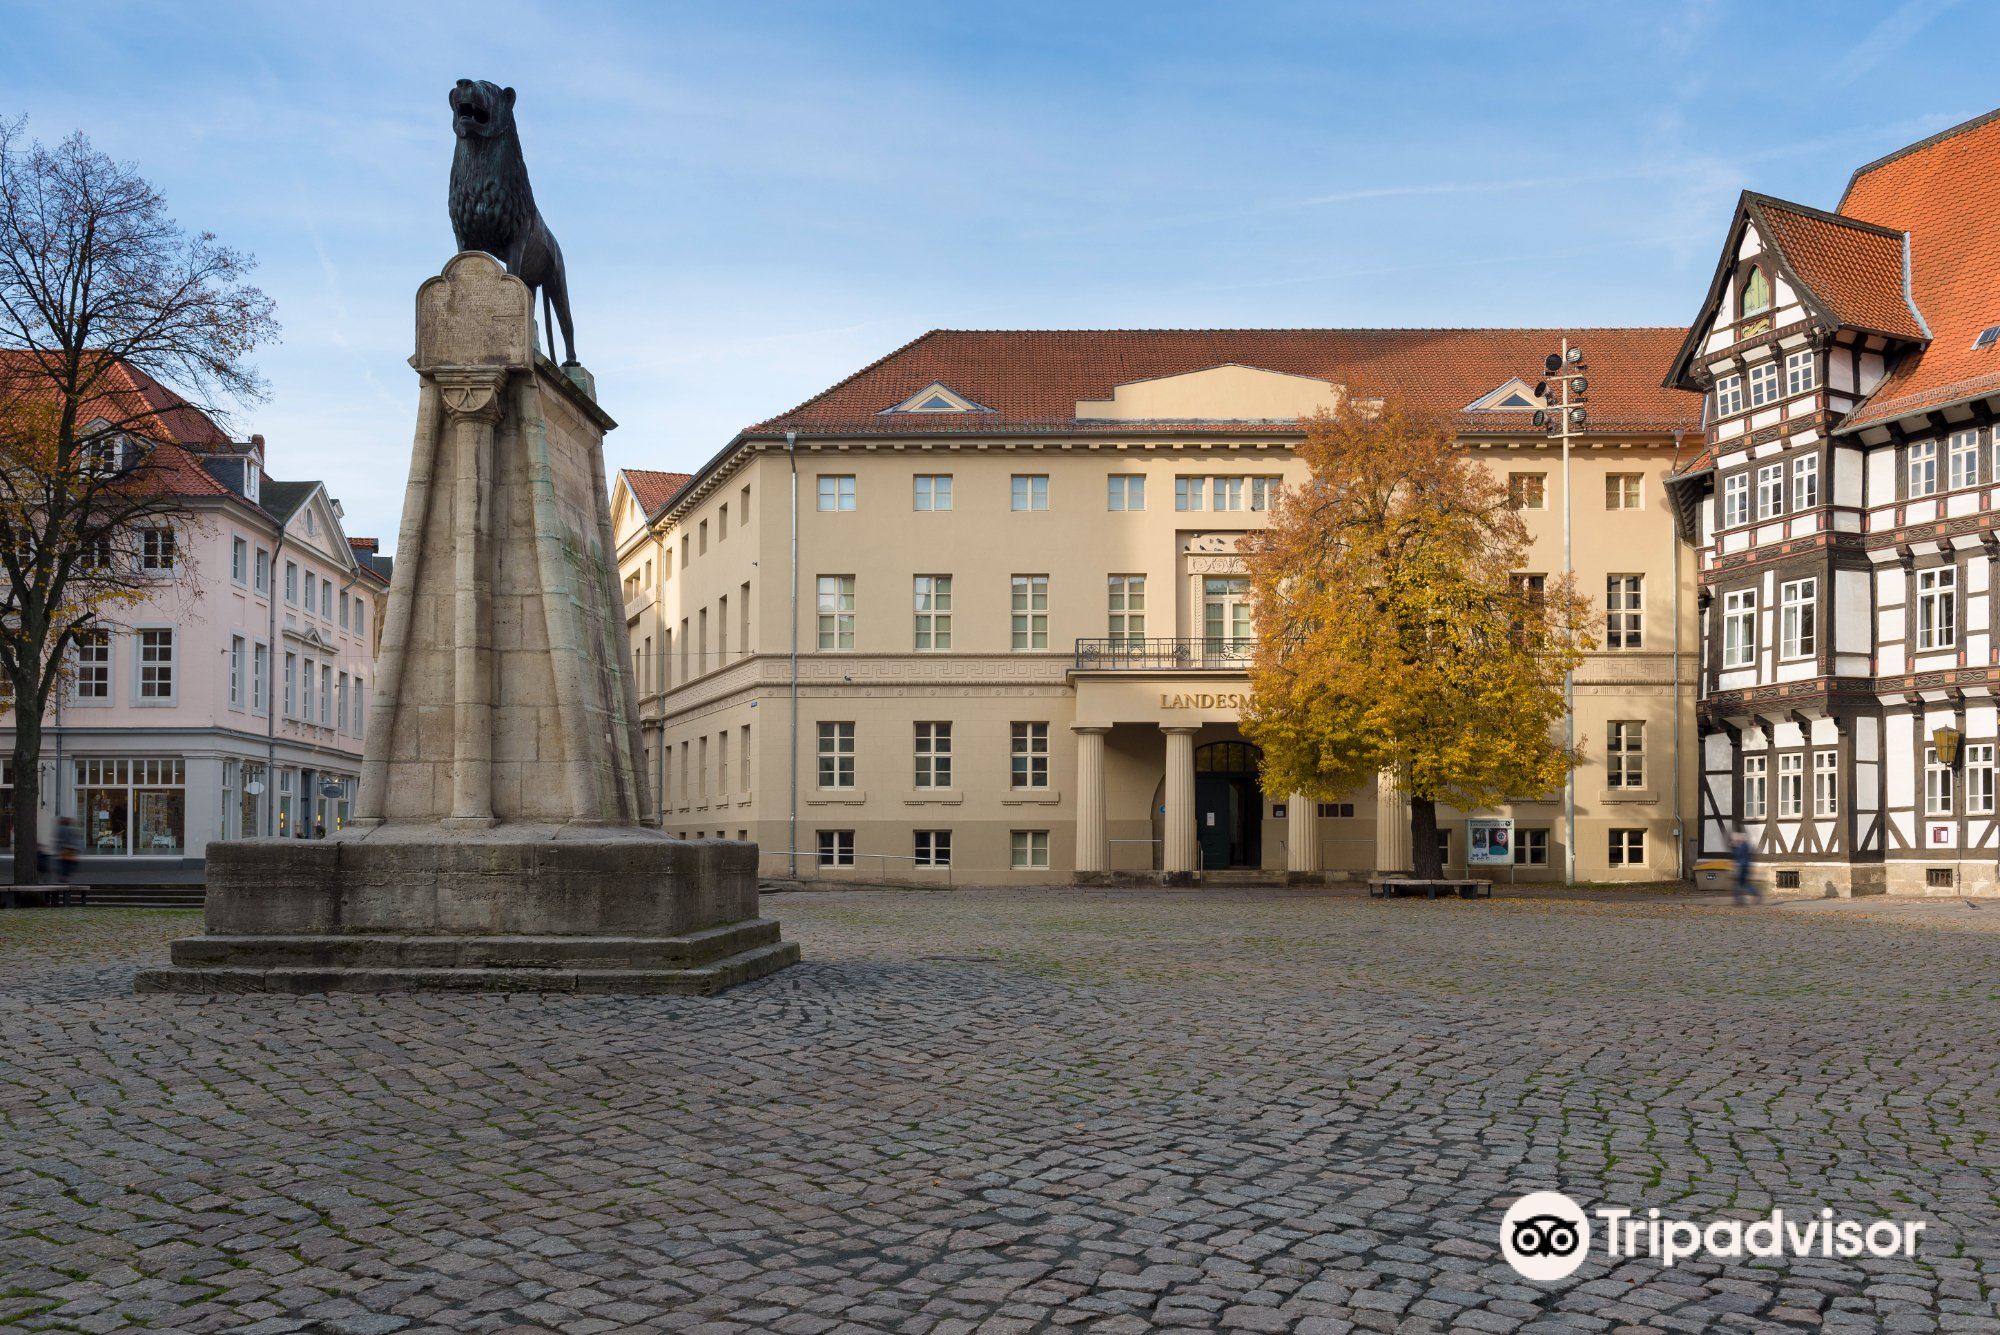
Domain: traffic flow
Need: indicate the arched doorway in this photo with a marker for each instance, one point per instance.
(1228, 805)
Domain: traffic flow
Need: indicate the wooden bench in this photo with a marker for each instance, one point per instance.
(1385, 887)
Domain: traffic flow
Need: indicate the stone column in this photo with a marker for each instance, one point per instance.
(1301, 836)
(1178, 856)
(1392, 824)
(1092, 850)
(472, 409)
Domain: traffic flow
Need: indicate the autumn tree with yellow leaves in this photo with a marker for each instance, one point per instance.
(1394, 633)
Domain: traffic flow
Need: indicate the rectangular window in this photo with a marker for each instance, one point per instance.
(326, 599)
(1937, 607)
(1791, 785)
(933, 603)
(1031, 612)
(1622, 491)
(325, 695)
(836, 755)
(1127, 599)
(933, 491)
(1962, 460)
(722, 521)
(309, 592)
(345, 601)
(1190, 493)
(1770, 490)
(292, 582)
(340, 703)
(260, 677)
(1923, 468)
(1826, 783)
(262, 569)
(933, 755)
(836, 492)
(1125, 491)
(933, 848)
(1528, 491)
(1625, 754)
(1805, 482)
(1628, 848)
(156, 665)
(236, 647)
(1532, 847)
(239, 560)
(1979, 779)
(1798, 618)
(1030, 491)
(1801, 372)
(1227, 493)
(93, 665)
(1264, 492)
(291, 685)
(1335, 810)
(1030, 755)
(1739, 628)
(1030, 850)
(1763, 384)
(1937, 784)
(1624, 611)
(836, 848)
(1728, 395)
(836, 611)
(1755, 776)
(1736, 500)
(157, 549)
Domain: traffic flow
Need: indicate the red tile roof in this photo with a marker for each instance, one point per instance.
(654, 489)
(142, 406)
(1033, 379)
(1854, 269)
(1945, 191)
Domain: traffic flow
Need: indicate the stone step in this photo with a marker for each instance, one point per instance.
(144, 897)
(519, 953)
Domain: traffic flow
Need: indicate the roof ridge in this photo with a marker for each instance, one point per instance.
(1928, 141)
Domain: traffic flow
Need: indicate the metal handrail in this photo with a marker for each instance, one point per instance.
(1128, 654)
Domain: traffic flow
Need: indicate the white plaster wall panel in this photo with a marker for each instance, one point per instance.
(1881, 477)
(1850, 612)
(1980, 720)
(1847, 521)
(1788, 734)
(1738, 541)
(1933, 662)
(1976, 646)
(1867, 738)
(1715, 751)
(1920, 512)
(1899, 735)
(1890, 659)
(1729, 428)
(1804, 525)
(1797, 670)
(1764, 417)
(1871, 372)
(1851, 665)
(1825, 732)
(1978, 577)
(1838, 374)
(1889, 586)
(1965, 503)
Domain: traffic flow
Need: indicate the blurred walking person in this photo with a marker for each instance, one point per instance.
(1739, 854)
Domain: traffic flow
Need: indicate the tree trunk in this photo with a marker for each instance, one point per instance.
(27, 791)
(1424, 860)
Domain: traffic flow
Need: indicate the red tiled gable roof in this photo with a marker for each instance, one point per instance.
(1033, 379)
(364, 544)
(1945, 191)
(1854, 269)
(144, 407)
(654, 489)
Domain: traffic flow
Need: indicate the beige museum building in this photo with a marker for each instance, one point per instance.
(975, 614)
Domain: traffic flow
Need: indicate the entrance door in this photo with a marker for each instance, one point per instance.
(1228, 805)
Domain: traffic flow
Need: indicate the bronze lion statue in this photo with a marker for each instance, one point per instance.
(493, 207)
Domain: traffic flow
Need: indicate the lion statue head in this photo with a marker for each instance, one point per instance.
(480, 110)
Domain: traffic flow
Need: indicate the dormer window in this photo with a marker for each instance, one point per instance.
(253, 480)
(1514, 396)
(107, 452)
(1756, 292)
(937, 398)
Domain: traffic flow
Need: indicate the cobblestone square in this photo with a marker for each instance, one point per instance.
(1019, 1110)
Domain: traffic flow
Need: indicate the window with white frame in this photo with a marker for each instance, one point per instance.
(1763, 384)
(1622, 491)
(156, 664)
(1624, 611)
(340, 703)
(1264, 492)
(1755, 776)
(1937, 607)
(262, 569)
(1739, 628)
(1979, 779)
(1728, 395)
(1791, 785)
(836, 848)
(933, 491)
(1127, 599)
(1735, 500)
(1798, 618)
(1125, 491)
(1770, 490)
(260, 677)
(1801, 372)
(1029, 849)
(93, 664)
(1937, 784)
(1628, 848)
(326, 598)
(1962, 460)
(836, 755)
(933, 755)
(239, 560)
(1805, 482)
(836, 493)
(1030, 756)
(836, 611)
(1029, 491)
(933, 848)
(1190, 493)
(1528, 491)
(1923, 468)
(291, 581)
(1625, 754)
(1826, 783)
(157, 550)
(1225, 493)
(933, 612)
(236, 649)
(1531, 847)
(291, 684)
(1030, 612)
(325, 695)
(312, 582)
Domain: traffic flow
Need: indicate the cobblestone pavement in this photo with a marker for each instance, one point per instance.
(1016, 1110)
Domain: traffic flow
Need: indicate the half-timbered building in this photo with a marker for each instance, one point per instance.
(1844, 510)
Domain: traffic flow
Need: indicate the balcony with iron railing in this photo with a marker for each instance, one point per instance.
(1133, 654)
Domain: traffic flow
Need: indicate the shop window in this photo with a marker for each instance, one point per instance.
(132, 806)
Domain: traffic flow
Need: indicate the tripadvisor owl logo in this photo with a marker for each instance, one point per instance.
(1545, 1236)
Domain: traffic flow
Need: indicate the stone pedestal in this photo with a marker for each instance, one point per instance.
(499, 841)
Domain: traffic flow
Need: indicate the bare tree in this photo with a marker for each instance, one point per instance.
(104, 299)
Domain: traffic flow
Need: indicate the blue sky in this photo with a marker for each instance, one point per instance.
(756, 199)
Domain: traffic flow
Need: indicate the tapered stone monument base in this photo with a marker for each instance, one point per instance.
(514, 908)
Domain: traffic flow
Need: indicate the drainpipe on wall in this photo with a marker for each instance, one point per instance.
(660, 671)
(272, 670)
(1680, 813)
(792, 835)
